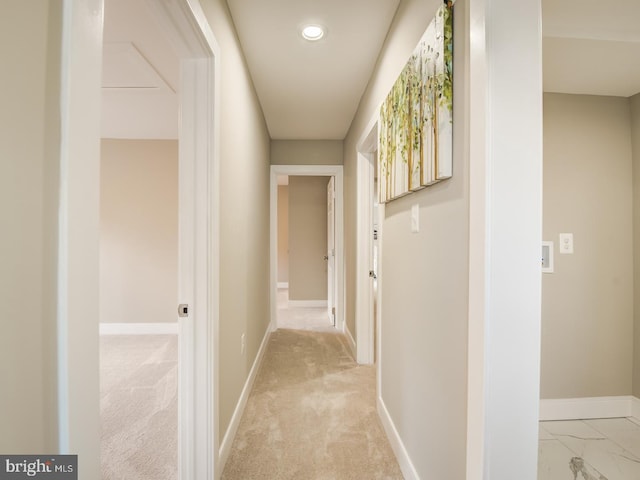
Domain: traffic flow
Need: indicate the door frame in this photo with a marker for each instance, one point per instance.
(319, 171)
(77, 339)
(199, 221)
(331, 262)
(366, 146)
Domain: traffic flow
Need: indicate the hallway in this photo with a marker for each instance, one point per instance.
(311, 413)
(254, 96)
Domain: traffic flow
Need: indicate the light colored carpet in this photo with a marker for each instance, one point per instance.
(307, 318)
(138, 407)
(311, 415)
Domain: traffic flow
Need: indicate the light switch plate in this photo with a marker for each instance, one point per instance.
(566, 243)
(415, 218)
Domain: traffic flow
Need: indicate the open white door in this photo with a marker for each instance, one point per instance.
(198, 239)
(331, 251)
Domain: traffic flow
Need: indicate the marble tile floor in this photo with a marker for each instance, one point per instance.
(604, 449)
(301, 318)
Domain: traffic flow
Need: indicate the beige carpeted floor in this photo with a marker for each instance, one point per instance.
(311, 415)
(307, 318)
(138, 407)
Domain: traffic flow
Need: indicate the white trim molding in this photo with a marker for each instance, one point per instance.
(635, 407)
(191, 36)
(167, 328)
(589, 407)
(284, 285)
(308, 303)
(367, 146)
(227, 441)
(502, 91)
(406, 465)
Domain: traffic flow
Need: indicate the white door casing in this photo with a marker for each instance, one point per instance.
(364, 264)
(198, 240)
(331, 251)
(185, 23)
(339, 283)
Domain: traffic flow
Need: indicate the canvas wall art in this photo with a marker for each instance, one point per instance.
(415, 128)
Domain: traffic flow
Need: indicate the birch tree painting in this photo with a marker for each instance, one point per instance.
(415, 129)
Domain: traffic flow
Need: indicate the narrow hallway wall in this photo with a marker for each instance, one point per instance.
(23, 245)
(424, 276)
(306, 152)
(244, 215)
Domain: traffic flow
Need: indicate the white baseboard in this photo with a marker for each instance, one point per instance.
(408, 470)
(283, 284)
(308, 303)
(352, 342)
(635, 407)
(590, 407)
(169, 328)
(227, 441)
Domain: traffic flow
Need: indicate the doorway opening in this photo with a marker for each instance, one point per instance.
(306, 263)
(168, 253)
(314, 243)
(138, 245)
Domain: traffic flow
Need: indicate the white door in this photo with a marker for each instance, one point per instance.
(331, 251)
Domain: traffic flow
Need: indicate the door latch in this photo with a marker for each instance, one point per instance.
(372, 274)
(183, 310)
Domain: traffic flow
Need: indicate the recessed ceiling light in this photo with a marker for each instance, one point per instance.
(313, 32)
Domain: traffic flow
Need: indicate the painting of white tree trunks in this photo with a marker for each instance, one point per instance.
(415, 129)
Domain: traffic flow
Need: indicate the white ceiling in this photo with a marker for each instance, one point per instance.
(140, 75)
(591, 47)
(311, 90)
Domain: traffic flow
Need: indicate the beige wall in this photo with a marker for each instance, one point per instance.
(244, 214)
(51, 215)
(138, 231)
(307, 238)
(283, 233)
(29, 148)
(424, 276)
(635, 145)
(306, 152)
(587, 303)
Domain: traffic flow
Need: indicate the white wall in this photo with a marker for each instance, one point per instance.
(424, 276)
(307, 238)
(587, 303)
(138, 231)
(244, 214)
